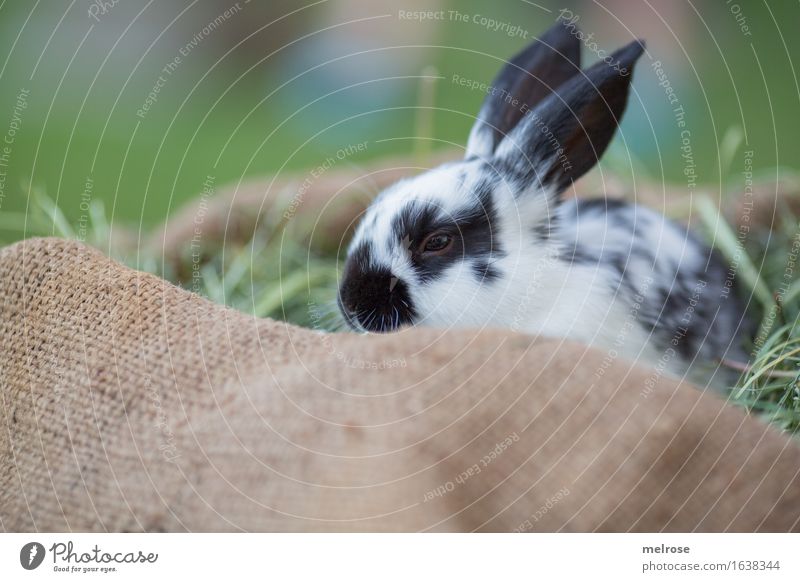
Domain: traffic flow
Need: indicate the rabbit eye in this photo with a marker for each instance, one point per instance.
(438, 242)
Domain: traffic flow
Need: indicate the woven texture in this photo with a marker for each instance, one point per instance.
(129, 404)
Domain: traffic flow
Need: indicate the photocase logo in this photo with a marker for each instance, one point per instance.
(31, 555)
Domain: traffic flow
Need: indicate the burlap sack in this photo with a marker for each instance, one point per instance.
(129, 404)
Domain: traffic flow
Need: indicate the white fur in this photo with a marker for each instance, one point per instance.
(536, 293)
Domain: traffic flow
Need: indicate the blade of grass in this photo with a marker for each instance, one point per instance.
(289, 286)
(725, 240)
(100, 227)
(60, 224)
(423, 122)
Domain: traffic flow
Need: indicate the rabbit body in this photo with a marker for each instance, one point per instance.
(492, 241)
(677, 294)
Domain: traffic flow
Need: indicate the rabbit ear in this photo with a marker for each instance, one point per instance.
(565, 135)
(524, 81)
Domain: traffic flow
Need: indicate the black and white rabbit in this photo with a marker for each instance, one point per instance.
(489, 241)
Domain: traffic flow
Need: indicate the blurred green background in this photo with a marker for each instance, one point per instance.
(265, 87)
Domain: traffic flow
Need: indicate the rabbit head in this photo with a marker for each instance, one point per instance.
(455, 245)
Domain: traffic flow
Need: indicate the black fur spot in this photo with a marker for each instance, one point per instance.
(473, 229)
(373, 298)
(544, 230)
(484, 271)
(602, 205)
(578, 255)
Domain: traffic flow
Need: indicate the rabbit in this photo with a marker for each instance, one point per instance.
(490, 240)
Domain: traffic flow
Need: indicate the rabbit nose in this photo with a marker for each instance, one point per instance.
(375, 300)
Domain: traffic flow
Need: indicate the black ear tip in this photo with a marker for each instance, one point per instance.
(629, 54)
(631, 51)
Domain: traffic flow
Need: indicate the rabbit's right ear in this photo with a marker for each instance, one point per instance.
(521, 84)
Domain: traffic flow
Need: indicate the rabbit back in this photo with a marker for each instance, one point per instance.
(681, 292)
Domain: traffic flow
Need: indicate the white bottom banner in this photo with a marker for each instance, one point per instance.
(355, 557)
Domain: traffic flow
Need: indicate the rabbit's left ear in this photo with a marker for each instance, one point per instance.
(521, 84)
(567, 132)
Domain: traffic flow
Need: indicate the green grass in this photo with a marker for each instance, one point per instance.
(272, 275)
(767, 271)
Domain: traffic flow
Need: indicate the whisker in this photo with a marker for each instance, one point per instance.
(371, 317)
